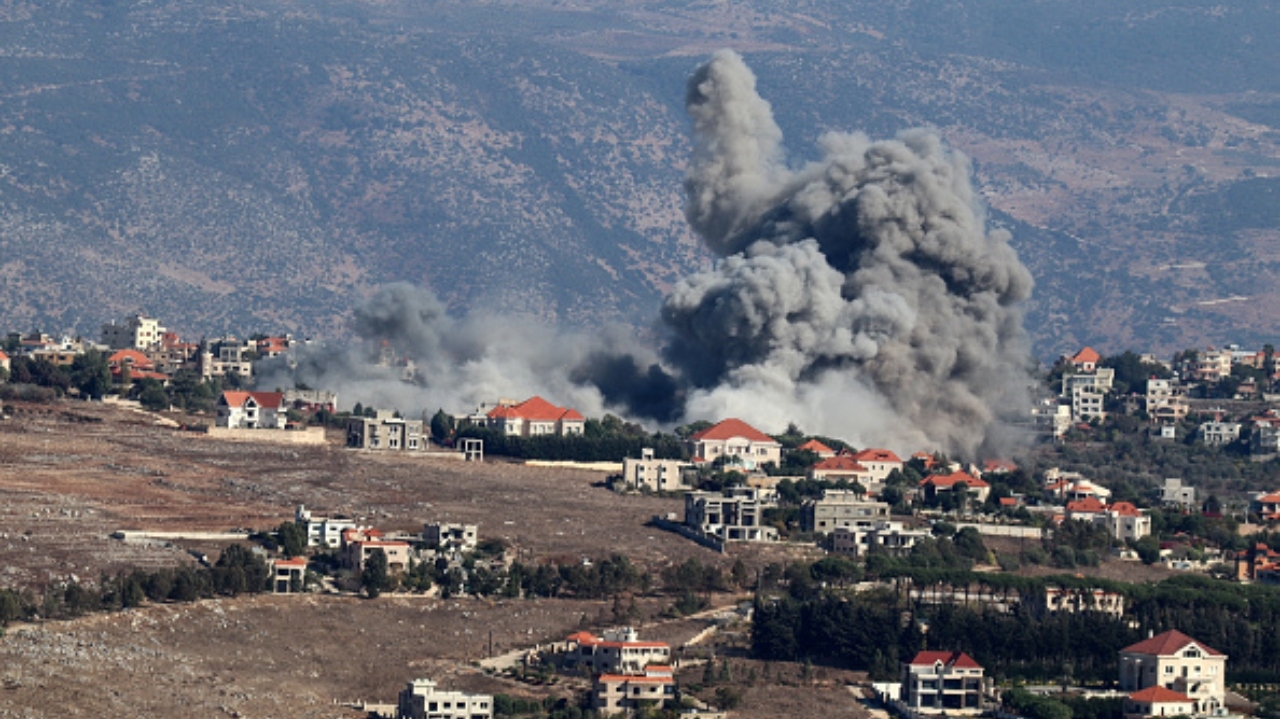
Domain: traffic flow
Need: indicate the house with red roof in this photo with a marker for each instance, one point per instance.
(1122, 519)
(535, 417)
(358, 544)
(272, 346)
(5, 362)
(936, 683)
(879, 463)
(818, 448)
(288, 575)
(937, 484)
(736, 441)
(834, 469)
(251, 410)
(1086, 360)
(625, 694)
(1188, 672)
(1266, 505)
(616, 651)
(1258, 562)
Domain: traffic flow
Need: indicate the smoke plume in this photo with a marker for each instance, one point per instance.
(859, 295)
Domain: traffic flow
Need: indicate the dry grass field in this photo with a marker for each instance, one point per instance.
(72, 473)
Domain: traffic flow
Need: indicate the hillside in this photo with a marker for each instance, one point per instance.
(233, 166)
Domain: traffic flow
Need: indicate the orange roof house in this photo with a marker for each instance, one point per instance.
(841, 467)
(1086, 359)
(737, 443)
(535, 417)
(818, 448)
(251, 410)
(935, 484)
(130, 358)
(948, 659)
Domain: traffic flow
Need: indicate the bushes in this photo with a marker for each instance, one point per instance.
(608, 448)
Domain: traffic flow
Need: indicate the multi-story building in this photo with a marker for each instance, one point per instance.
(1165, 400)
(311, 400)
(421, 700)
(657, 475)
(1088, 402)
(613, 694)
(1178, 663)
(893, 538)
(137, 332)
(1086, 360)
(938, 484)
(736, 441)
(251, 410)
(734, 515)
(535, 417)
(844, 466)
(1123, 520)
(227, 356)
(1265, 436)
(936, 683)
(617, 651)
(358, 544)
(1077, 600)
(1212, 365)
(323, 531)
(880, 463)
(818, 448)
(840, 509)
(386, 431)
(288, 575)
(451, 537)
(1175, 493)
(1102, 379)
(1266, 505)
(1218, 433)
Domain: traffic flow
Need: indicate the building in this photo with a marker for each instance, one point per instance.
(936, 683)
(1212, 365)
(5, 362)
(737, 442)
(893, 538)
(421, 700)
(1176, 662)
(251, 410)
(840, 509)
(818, 448)
(138, 332)
(844, 466)
(322, 531)
(657, 475)
(617, 651)
(227, 356)
(1219, 433)
(880, 463)
(288, 575)
(936, 485)
(311, 400)
(358, 544)
(626, 693)
(734, 515)
(1122, 519)
(385, 431)
(1101, 380)
(535, 417)
(1266, 505)
(1077, 600)
(1165, 400)
(1257, 562)
(451, 537)
(1088, 403)
(1176, 494)
(1086, 360)
(1157, 702)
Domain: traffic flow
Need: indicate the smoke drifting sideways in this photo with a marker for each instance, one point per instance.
(859, 295)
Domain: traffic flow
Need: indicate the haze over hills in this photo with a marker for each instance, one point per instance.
(233, 166)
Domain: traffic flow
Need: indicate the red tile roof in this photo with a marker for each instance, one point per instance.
(816, 447)
(950, 480)
(730, 428)
(1159, 695)
(535, 409)
(1008, 502)
(877, 455)
(1124, 509)
(1086, 355)
(951, 659)
(234, 398)
(839, 464)
(130, 357)
(1270, 498)
(999, 465)
(3, 356)
(1168, 644)
(294, 562)
(634, 679)
(1088, 505)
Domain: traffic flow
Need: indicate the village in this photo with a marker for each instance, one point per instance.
(870, 515)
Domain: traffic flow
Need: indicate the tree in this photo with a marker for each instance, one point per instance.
(1148, 549)
(441, 426)
(293, 540)
(374, 578)
(153, 397)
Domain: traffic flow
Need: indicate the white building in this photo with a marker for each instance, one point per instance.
(1220, 433)
(138, 332)
(617, 651)
(891, 537)
(738, 442)
(1087, 402)
(251, 410)
(535, 417)
(421, 700)
(451, 537)
(322, 531)
(936, 683)
(386, 431)
(1176, 493)
(1123, 520)
(656, 475)
(1178, 663)
(839, 508)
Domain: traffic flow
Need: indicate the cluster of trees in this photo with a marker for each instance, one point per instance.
(874, 631)
(1033, 706)
(237, 571)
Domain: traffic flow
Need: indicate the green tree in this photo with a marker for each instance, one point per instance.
(293, 539)
(441, 426)
(90, 374)
(153, 397)
(374, 578)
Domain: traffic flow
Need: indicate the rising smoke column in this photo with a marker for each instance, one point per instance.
(860, 295)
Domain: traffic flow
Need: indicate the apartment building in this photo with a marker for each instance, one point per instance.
(451, 537)
(322, 531)
(734, 515)
(892, 538)
(613, 694)
(657, 475)
(422, 700)
(841, 508)
(137, 332)
(936, 683)
(386, 432)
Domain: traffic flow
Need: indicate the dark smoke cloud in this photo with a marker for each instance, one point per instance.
(859, 295)
(867, 275)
